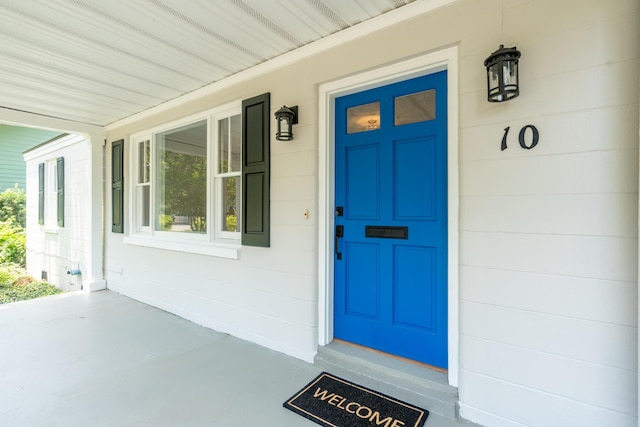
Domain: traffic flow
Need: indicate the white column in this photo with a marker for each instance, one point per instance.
(94, 279)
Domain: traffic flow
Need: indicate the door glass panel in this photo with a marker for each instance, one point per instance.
(363, 118)
(414, 108)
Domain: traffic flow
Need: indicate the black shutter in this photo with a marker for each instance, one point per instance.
(117, 186)
(41, 193)
(256, 160)
(60, 190)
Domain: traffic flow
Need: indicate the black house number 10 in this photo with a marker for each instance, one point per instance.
(522, 137)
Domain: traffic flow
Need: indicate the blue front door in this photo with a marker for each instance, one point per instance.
(390, 257)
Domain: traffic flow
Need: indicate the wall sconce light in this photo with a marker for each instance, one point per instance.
(286, 118)
(502, 74)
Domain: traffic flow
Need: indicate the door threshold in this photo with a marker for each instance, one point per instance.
(414, 382)
(391, 356)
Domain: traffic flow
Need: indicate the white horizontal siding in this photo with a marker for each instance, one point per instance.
(485, 396)
(582, 173)
(548, 275)
(561, 376)
(593, 342)
(606, 258)
(556, 214)
(607, 301)
(547, 239)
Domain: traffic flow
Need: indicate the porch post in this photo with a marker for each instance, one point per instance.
(94, 277)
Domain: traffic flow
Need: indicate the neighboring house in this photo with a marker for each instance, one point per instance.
(513, 268)
(14, 140)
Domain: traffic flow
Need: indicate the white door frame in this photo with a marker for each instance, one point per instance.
(444, 59)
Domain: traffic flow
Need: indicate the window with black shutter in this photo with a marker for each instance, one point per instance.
(117, 186)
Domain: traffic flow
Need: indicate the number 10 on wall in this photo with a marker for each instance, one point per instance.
(523, 136)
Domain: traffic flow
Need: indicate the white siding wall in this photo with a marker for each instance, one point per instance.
(548, 236)
(55, 250)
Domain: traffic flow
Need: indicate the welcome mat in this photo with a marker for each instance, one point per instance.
(332, 401)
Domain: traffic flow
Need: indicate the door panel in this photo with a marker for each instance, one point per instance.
(391, 180)
(363, 181)
(362, 284)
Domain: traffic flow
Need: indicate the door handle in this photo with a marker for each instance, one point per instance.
(339, 234)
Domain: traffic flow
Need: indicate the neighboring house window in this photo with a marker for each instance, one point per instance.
(187, 178)
(51, 193)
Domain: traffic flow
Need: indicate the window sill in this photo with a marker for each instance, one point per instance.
(49, 230)
(221, 250)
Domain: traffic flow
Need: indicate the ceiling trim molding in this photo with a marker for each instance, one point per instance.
(24, 119)
(352, 33)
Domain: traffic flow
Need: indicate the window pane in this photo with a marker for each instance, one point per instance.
(144, 161)
(181, 193)
(236, 142)
(223, 145)
(145, 205)
(230, 204)
(363, 118)
(414, 108)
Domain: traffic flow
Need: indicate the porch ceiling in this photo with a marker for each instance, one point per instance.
(96, 61)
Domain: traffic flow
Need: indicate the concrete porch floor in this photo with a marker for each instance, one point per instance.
(102, 359)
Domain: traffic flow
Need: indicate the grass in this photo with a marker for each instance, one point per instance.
(17, 285)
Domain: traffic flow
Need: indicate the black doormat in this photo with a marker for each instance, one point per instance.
(332, 401)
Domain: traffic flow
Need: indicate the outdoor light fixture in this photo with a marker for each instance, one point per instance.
(286, 118)
(502, 74)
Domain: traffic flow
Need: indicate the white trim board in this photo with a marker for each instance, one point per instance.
(446, 58)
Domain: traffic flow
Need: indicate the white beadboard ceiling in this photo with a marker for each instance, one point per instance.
(99, 61)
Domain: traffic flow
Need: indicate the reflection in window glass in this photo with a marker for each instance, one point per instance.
(414, 108)
(363, 118)
(143, 184)
(145, 205)
(230, 203)
(230, 143)
(229, 157)
(181, 194)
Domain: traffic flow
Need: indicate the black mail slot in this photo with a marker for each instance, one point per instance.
(389, 232)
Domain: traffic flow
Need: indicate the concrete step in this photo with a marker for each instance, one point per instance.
(418, 385)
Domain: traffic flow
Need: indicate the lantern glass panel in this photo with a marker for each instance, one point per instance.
(510, 72)
(494, 77)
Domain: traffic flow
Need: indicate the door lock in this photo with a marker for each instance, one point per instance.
(339, 234)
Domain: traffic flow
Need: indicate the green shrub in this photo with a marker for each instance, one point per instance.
(10, 274)
(166, 222)
(12, 243)
(231, 223)
(28, 291)
(17, 285)
(13, 206)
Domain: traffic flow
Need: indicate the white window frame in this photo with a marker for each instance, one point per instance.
(218, 178)
(137, 185)
(214, 241)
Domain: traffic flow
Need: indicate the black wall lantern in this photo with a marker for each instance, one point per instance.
(502, 74)
(286, 118)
